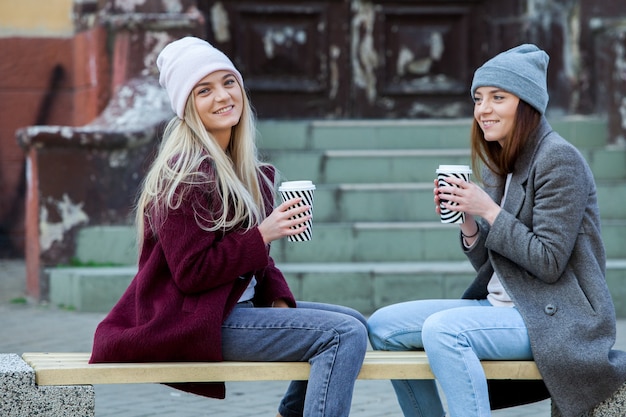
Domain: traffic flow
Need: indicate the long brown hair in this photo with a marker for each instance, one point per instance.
(500, 159)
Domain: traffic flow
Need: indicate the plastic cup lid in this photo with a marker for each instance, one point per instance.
(459, 169)
(296, 185)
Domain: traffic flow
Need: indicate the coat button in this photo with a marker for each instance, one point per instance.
(550, 309)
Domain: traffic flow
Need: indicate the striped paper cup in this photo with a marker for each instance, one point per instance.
(305, 190)
(443, 172)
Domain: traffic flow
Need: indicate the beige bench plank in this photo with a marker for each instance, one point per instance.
(73, 369)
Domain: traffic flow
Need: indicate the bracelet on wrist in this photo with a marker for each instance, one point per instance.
(470, 236)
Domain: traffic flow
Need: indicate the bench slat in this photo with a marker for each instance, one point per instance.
(74, 369)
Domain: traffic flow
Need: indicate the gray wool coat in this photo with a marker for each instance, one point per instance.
(546, 247)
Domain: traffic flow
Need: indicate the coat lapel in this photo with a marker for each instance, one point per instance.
(516, 192)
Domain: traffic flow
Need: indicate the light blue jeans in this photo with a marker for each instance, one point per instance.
(333, 339)
(456, 335)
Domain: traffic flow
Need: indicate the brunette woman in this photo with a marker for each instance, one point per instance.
(533, 236)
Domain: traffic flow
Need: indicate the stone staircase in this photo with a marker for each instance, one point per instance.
(376, 237)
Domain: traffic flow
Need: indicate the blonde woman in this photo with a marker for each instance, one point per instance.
(207, 288)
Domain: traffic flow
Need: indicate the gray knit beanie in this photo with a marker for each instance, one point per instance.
(521, 71)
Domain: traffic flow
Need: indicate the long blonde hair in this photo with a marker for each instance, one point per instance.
(176, 171)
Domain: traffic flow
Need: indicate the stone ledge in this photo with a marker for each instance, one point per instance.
(21, 397)
(364, 286)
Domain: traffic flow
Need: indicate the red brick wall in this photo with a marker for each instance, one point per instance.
(43, 81)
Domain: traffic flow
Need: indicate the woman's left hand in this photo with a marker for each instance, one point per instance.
(467, 197)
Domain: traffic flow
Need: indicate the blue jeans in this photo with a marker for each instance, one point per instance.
(456, 335)
(333, 339)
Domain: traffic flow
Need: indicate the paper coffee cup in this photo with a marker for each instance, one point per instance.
(305, 190)
(443, 172)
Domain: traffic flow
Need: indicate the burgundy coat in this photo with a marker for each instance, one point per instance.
(187, 283)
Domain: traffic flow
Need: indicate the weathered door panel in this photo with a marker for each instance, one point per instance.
(387, 58)
(293, 55)
(411, 59)
(349, 58)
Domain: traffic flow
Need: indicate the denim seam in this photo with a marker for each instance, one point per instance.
(396, 333)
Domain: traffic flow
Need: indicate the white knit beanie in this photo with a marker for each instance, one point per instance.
(521, 71)
(184, 62)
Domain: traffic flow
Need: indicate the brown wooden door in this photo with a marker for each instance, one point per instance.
(353, 58)
(293, 55)
(411, 59)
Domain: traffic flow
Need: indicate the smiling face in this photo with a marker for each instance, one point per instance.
(219, 101)
(495, 110)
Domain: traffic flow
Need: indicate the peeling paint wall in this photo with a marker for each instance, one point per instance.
(286, 36)
(173, 6)
(608, 56)
(409, 64)
(365, 58)
(556, 26)
(71, 215)
(335, 55)
(128, 6)
(618, 127)
(146, 6)
(220, 23)
(154, 43)
(408, 58)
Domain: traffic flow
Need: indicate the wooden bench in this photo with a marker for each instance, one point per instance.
(69, 371)
(73, 369)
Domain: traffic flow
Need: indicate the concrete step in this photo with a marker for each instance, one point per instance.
(408, 165)
(333, 242)
(365, 286)
(376, 237)
(611, 200)
(93, 289)
(400, 242)
(582, 131)
(366, 165)
(363, 134)
(413, 202)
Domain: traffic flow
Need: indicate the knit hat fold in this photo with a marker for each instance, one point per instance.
(521, 71)
(184, 62)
